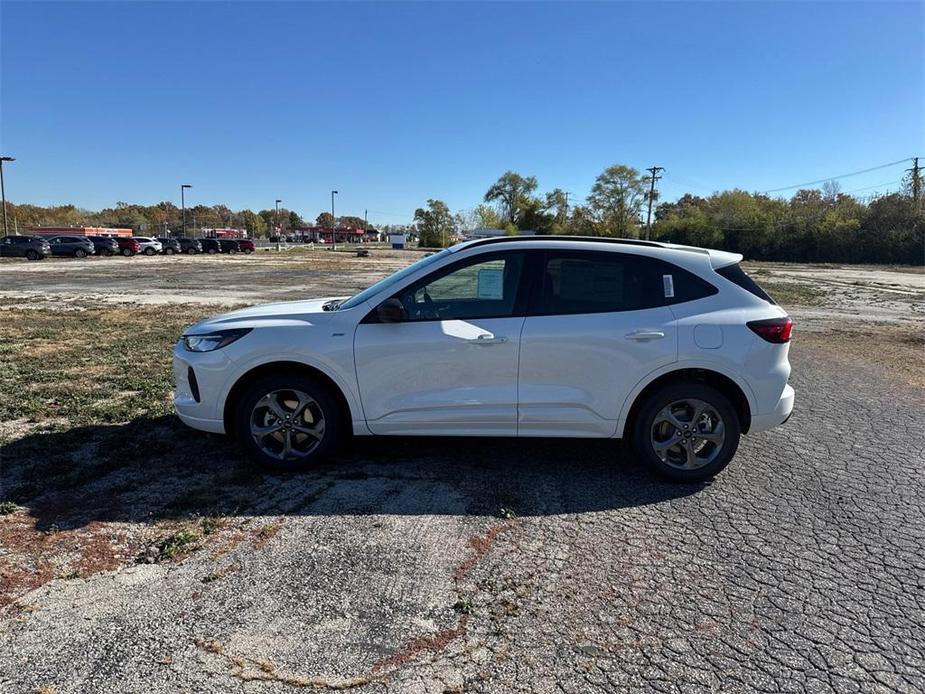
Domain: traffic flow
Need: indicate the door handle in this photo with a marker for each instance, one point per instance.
(489, 339)
(643, 335)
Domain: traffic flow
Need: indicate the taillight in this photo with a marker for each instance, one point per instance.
(776, 330)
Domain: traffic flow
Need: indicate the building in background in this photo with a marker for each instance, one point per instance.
(224, 233)
(81, 231)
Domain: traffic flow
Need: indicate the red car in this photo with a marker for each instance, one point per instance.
(128, 246)
(246, 245)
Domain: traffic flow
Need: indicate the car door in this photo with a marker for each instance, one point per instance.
(597, 323)
(449, 367)
(7, 247)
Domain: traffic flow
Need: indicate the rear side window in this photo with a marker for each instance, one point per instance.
(583, 282)
(597, 283)
(736, 275)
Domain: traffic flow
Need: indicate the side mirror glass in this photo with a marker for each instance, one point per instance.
(391, 311)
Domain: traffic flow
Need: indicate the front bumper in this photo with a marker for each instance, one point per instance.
(210, 369)
(780, 414)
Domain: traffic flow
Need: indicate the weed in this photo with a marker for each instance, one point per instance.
(463, 607)
(170, 547)
(7, 507)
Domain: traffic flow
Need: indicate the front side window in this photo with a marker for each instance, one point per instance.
(481, 287)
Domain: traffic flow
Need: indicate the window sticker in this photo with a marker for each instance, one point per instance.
(668, 283)
(491, 283)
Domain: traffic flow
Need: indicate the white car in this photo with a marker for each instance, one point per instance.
(148, 245)
(671, 346)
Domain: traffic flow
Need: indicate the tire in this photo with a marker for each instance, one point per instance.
(127, 252)
(248, 251)
(80, 253)
(231, 251)
(190, 251)
(168, 251)
(705, 453)
(32, 255)
(108, 253)
(254, 409)
(212, 251)
(149, 251)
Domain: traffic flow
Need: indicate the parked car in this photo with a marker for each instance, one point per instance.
(31, 247)
(104, 245)
(210, 245)
(76, 246)
(127, 246)
(228, 246)
(246, 246)
(675, 348)
(190, 246)
(148, 245)
(170, 246)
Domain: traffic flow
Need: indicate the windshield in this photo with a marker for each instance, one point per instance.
(387, 282)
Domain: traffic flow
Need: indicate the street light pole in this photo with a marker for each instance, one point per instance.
(333, 223)
(3, 191)
(277, 225)
(183, 188)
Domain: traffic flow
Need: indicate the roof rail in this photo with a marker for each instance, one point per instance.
(556, 237)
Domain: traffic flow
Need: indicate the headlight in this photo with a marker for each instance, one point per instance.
(213, 341)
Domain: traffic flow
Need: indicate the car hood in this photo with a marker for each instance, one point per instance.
(289, 313)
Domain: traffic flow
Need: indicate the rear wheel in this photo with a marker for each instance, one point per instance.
(127, 252)
(687, 431)
(32, 255)
(168, 251)
(248, 251)
(190, 251)
(212, 250)
(80, 253)
(289, 422)
(149, 251)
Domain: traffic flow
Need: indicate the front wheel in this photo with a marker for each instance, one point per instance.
(149, 251)
(168, 251)
(212, 251)
(127, 252)
(687, 432)
(190, 251)
(80, 253)
(288, 422)
(32, 255)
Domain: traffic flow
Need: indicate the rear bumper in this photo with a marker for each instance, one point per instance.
(780, 414)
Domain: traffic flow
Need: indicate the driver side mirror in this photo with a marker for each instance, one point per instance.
(391, 311)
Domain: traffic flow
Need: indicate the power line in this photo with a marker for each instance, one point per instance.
(833, 178)
(876, 185)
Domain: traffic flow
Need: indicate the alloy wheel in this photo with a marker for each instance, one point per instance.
(688, 434)
(287, 424)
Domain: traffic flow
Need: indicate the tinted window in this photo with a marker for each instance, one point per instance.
(482, 287)
(736, 275)
(597, 283)
(583, 282)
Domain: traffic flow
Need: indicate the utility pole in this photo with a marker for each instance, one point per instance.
(333, 223)
(3, 192)
(653, 170)
(565, 216)
(278, 239)
(183, 204)
(916, 180)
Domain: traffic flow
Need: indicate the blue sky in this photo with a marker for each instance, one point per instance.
(394, 103)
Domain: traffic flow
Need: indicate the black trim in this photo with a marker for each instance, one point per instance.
(193, 383)
(584, 239)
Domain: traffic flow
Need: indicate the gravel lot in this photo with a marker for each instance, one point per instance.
(429, 565)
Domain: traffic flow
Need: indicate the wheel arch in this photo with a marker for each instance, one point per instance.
(728, 386)
(249, 377)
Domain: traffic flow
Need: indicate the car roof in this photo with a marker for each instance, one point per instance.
(717, 258)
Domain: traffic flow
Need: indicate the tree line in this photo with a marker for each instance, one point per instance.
(814, 225)
(166, 216)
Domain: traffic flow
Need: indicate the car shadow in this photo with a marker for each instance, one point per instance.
(152, 469)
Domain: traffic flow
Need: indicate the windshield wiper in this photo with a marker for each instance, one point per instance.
(332, 305)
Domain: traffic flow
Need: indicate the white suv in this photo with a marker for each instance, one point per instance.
(671, 346)
(148, 245)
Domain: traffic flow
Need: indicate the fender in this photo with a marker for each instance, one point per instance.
(344, 380)
(705, 364)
